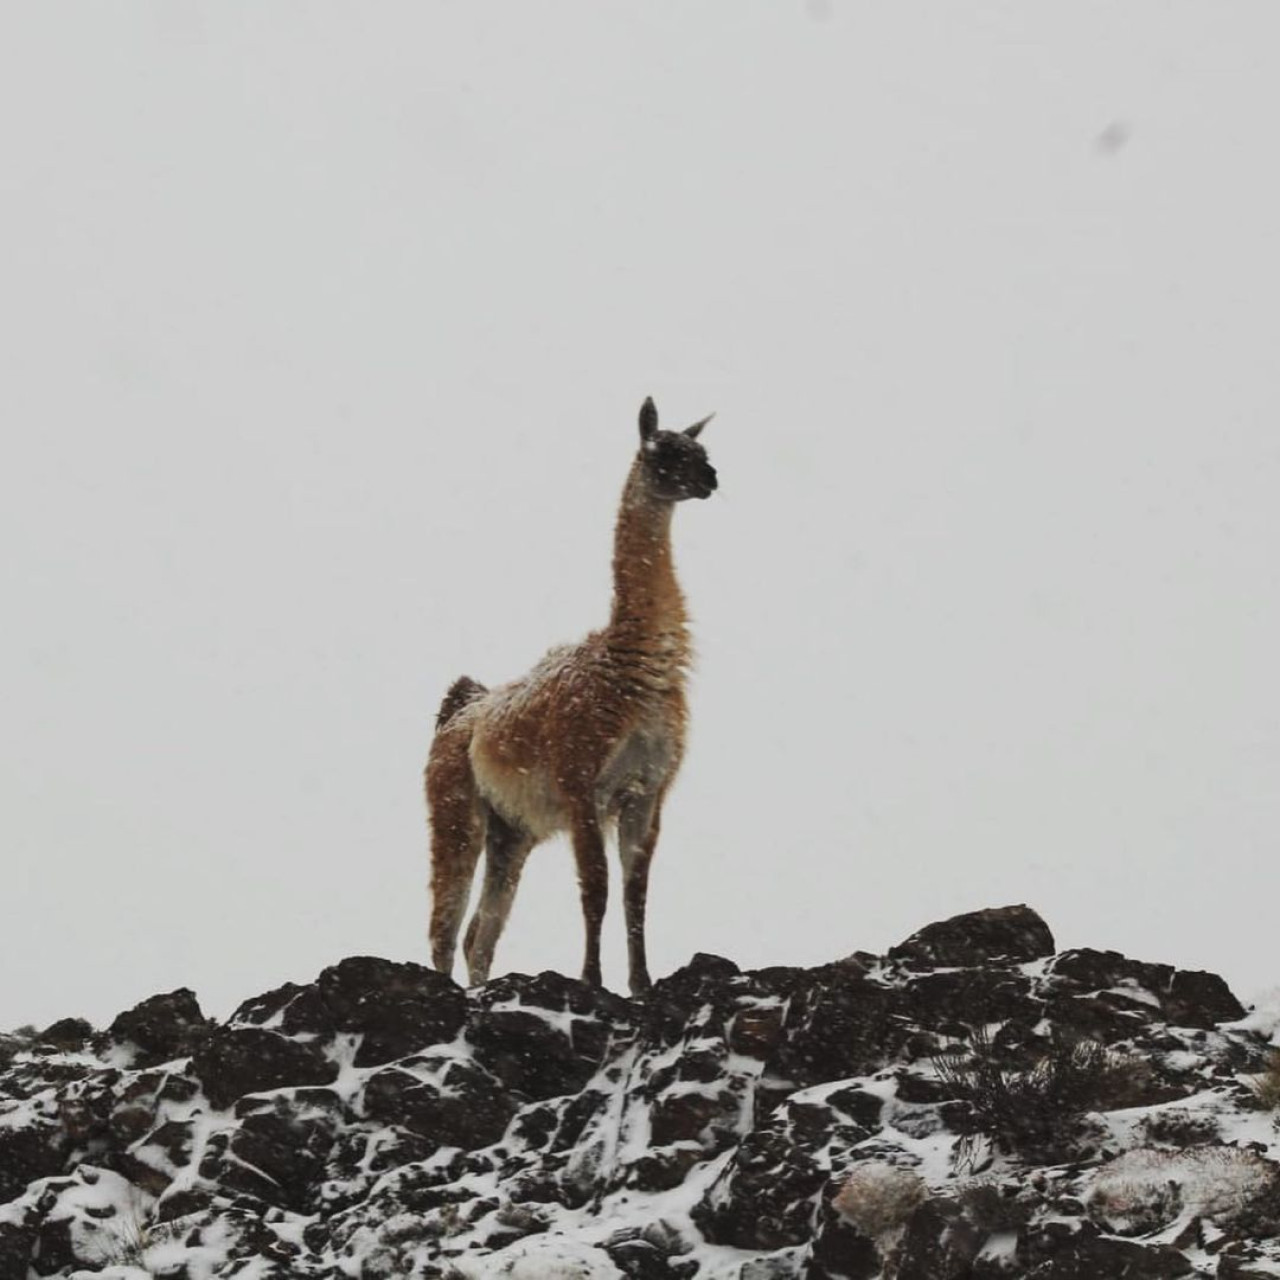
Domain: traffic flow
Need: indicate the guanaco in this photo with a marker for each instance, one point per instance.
(590, 739)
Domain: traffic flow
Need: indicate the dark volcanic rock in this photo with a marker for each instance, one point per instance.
(155, 1160)
(837, 1024)
(1234, 1263)
(756, 1031)
(279, 1152)
(939, 1243)
(952, 1001)
(29, 1151)
(649, 1254)
(452, 1102)
(1187, 997)
(673, 1000)
(767, 1195)
(1012, 934)
(360, 1155)
(1077, 1251)
(544, 1036)
(65, 1034)
(1095, 970)
(838, 1251)
(1199, 999)
(17, 1243)
(235, 1061)
(78, 1223)
(397, 1009)
(292, 1009)
(847, 1122)
(162, 1028)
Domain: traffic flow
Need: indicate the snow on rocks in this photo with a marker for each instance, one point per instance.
(970, 1105)
(542, 1258)
(1011, 934)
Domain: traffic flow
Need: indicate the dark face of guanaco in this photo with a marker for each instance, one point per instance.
(676, 465)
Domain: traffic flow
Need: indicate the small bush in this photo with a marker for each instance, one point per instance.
(1266, 1087)
(1133, 1206)
(1036, 1112)
(129, 1240)
(1146, 1189)
(877, 1198)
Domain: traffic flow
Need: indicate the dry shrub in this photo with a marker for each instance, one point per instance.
(130, 1239)
(1146, 1189)
(877, 1198)
(1266, 1086)
(1038, 1111)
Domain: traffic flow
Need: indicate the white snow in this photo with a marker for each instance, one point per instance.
(541, 1258)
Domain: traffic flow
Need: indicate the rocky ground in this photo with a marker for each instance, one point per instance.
(971, 1105)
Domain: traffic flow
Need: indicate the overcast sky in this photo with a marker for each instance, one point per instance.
(323, 329)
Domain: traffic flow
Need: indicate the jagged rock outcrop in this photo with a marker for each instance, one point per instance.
(971, 1105)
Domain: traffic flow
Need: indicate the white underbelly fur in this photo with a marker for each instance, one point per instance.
(529, 798)
(526, 798)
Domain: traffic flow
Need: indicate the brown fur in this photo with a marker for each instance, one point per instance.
(592, 736)
(463, 690)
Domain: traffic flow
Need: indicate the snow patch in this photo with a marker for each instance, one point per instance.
(541, 1258)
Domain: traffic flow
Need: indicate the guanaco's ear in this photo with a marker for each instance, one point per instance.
(648, 419)
(695, 431)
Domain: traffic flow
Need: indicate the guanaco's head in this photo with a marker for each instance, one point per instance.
(675, 464)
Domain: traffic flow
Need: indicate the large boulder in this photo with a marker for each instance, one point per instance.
(161, 1028)
(1065, 1250)
(838, 1023)
(544, 1036)
(1112, 986)
(449, 1100)
(768, 1193)
(32, 1145)
(396, 1009)
(18, 1235)
(235, 1061)
(1012, 935)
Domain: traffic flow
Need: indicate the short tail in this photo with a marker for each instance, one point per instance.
(462, 691)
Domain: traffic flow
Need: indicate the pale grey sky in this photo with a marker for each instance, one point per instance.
(323, 329)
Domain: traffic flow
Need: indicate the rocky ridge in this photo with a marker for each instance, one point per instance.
(971, 1106)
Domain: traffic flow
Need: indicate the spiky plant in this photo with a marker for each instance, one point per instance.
(1035, 1111)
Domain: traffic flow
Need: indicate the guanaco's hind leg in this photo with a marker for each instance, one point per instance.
(593, 885)
(457, 831)
(506, 850)
(638, 823)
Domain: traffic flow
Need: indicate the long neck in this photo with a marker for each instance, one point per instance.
(648, 606)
